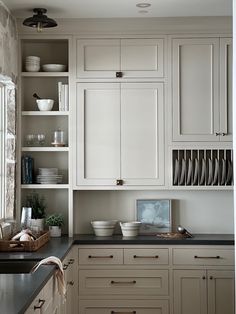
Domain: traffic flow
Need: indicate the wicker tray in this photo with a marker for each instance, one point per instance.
(24, 246)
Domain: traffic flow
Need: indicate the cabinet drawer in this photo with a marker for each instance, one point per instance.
(100, 256)
(123, 307)
(131, 282)
(203, 257)
(146, 256)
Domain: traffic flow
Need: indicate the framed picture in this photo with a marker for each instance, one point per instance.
(155, 216)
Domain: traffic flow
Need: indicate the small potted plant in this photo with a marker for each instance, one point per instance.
(55, 222)
(37, 203)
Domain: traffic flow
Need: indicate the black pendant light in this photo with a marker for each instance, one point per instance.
(39, 20)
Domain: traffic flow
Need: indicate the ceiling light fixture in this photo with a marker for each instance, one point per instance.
(39, 20)
(143, 5)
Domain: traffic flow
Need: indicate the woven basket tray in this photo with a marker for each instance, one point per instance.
(24, 246)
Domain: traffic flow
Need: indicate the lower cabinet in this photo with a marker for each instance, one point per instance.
(124, 307)
(203, 291)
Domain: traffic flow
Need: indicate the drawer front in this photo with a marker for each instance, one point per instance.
(120, 282)
(146, 256)
(203, 257)
(123, 307)
(100, 256)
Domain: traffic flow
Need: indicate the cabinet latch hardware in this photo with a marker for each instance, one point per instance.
(132, 282)
(102, 256)
(41, 303)
(119, 182)
(137, 256)
(119, 74)
(214, 257)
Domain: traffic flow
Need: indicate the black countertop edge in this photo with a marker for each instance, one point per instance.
(198, 239)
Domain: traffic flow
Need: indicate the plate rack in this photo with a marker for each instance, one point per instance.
(202, 167)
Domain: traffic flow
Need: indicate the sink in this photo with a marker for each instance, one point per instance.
(16, 266)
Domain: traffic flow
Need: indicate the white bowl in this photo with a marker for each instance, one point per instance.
(103, 223)
(45, 104)
(54, 67)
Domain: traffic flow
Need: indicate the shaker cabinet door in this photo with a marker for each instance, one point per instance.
(98, 133)
(142, 133)
(195, 96)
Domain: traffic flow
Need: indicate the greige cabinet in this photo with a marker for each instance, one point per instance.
(201, 89)
(120, 134)
(117, 58)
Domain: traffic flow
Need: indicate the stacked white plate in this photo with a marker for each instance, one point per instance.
(49, 176)
(104, 228)
(32, 64)
(130, 229)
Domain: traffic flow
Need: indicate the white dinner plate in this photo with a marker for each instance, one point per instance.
(189, 174)
(176, 171)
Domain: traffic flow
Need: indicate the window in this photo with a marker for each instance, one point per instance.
(8, 149)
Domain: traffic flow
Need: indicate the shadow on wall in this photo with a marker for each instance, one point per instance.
(8, 44)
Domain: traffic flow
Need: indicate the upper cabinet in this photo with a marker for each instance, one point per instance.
(120, 134)
(120, 58)
(201, 95)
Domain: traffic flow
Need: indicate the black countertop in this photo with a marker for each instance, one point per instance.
(17, 291)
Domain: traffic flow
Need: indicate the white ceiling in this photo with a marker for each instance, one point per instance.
(120, 8)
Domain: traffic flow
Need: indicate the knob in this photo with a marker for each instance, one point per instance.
(119, 182)
(119, 74)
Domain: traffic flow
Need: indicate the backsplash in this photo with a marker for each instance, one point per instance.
(198, 211)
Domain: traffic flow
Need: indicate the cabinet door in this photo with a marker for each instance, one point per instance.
(142, 133)
(195, 89)
(98, 57)
(142, 57)
(220, 292)
(98, 133)
(226, 107)
(190, 294)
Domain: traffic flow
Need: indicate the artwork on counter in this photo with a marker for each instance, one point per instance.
(155, 215)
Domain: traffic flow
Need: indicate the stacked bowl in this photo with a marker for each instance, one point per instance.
(104, 228)
(32, 64)
(130, 229)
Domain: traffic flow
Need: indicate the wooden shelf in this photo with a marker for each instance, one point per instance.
(44, 74)
(45, 149)
(45, 113)
(45, 186)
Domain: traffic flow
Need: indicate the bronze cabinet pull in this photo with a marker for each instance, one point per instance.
(213, 257)
(119, 74)
(41, 303)
(132, 282)
(119, 182)
(139, 256)
(100, 256)
(116, 312)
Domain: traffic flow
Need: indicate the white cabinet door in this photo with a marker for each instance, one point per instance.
(98, 133)
(142, 133)
(195, 89)
(142, 57)
(190, 292)
(120, 133)
(220, 292)
(102, 58)
(226, 106)
(98, 57)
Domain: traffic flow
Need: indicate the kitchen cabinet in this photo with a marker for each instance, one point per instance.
(33, 122)
(205, 290)
(120, 134)
(116, 58)
(201, 89)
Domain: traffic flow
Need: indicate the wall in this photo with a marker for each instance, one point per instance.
(198, 211)
(8, 44)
